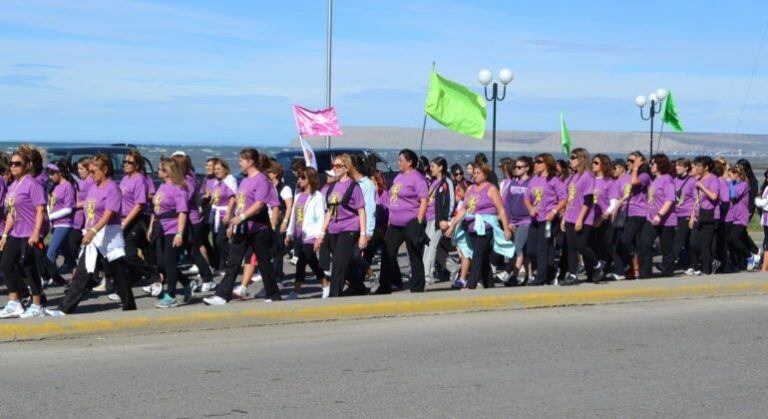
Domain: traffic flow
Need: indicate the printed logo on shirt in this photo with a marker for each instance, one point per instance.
(571, 195)
(299, 216)
(51, 202)
(627, 190)
(333, 205)
(216, 196)
(538, 194)
(90, 210)
(10, 203)
(393, 192)
(241, 201)
(651, 193)
(157, 200)
(595, 195)
(472, 204)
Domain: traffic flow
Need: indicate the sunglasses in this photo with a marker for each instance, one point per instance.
(17, 164)
(302, 177)
(521, 167)
(458, 174)
(595, 163)
(573, 157)
(128, 162)
(93, 172)
(338, 166)
(630, 161)
(539, 161)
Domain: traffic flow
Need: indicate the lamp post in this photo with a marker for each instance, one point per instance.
(656, 100)
(486, 77)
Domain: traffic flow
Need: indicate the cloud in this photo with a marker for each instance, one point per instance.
(37, 65)
(553, 45)
(24, 80)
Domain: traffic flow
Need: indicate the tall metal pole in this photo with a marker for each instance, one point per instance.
(493, 147)
(653, 114)
(329, 48)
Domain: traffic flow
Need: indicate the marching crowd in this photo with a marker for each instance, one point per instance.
(546, 221)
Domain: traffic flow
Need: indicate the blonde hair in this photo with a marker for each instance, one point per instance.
(582, 156)
(172, 169)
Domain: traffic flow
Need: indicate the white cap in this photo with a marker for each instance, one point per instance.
(179, 153)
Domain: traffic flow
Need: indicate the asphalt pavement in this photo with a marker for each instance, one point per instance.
(692, 358)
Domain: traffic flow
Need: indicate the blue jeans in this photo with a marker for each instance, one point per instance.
(59, 237)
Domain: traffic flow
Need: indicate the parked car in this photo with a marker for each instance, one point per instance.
(325, 161)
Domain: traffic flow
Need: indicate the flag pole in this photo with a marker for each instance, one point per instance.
(329, 50)
(424, 124)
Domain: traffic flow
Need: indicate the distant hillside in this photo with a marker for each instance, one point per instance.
(517, 141)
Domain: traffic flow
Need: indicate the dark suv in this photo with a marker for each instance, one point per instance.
(115, 151)
(325, 161)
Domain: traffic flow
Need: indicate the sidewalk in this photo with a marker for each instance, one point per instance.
(438, 299)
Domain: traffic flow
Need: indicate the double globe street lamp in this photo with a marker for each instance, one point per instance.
(486, 77)
(656, 100)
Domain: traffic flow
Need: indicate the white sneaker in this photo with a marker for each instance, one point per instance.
(53, 312)
(294, 260)
(754, 261)
(12, 310)
(215, 301)
(692, 272)
(147, 288)
(33, 310)
(155, 289)
(102, 287)
(208, 286)
(240, 292)
(193, 270)
(113, 297)
(326, 291)
(256, 278)
(502, 276)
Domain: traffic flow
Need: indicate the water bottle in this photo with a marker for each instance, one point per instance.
(548, 229)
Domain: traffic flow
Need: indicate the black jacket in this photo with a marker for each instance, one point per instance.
(442, 197)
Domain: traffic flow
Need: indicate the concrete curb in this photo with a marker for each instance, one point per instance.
(255, 314)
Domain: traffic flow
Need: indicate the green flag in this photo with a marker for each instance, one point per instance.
(565, 137)
(669, 114)
(455, 107)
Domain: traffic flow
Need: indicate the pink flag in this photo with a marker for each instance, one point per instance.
(316, 123)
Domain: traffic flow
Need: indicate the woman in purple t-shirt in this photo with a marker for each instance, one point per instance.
(103, 237)
(25, 205)
(222, 205)
(579, 218)
(61, 205)
(513, 197)
(738, 217)
(169, 219)
(606, 204)
(661, 219)
(84, 183)
(407, 203)
(250, 229)
(704, 214)
(685, 198)
(545, 198)
(345, 224)
(633, 187)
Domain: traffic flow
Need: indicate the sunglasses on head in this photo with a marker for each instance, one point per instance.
(17, 164)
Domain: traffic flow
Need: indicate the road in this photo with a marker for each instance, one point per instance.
(695, 358)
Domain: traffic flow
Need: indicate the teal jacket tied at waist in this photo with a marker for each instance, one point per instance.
(463, 241)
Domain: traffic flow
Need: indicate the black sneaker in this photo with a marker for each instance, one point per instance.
(569, 280)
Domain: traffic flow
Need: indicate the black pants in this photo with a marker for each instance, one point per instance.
(135, 235)
(736, 244)
(630, 238)
(577, 243)
(206, 236)
(480, 269)
(682, 242)
(346, 258)
(600, 240)
(75, 240)
(260, 243)
(170, 258)
(721, 244)
(541, 250)
(441, 258)
(306, 256)
(618, 264)
(701, 246)
(279, 259)
(325, 255)
(195, 240)
(747, 239)
(18, 267)
(222, 246)
(79, 286)
(390, 270)
(666, 237)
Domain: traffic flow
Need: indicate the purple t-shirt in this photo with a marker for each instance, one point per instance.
(605, 190)
(578, 186)
(739, 212)
(168, 198)
(21, 201)
(298, 234)
(134, 190)
(712, 183)
(514, 202)
(220, 196)
(193, 196)
(405, 195)
(725, 197)
(209, 184)
(41, 179)
(685, 193)
(433, 188)
(636, 195)
(256, 189)
(478, 202)
(661, 191)
(343, 219)
(62, 196)
(83, 186)
(544, 194)
(101, 198)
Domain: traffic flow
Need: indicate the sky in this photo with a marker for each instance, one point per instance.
(225, 72)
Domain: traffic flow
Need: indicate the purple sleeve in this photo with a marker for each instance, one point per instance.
(69, 196)
(37, 195)
(644, 178)
(422, 191)
(113, 199)
(180, 199)
(263, 189)
(724, 191)
(613, 190)
(357, 201)
(141, 192)
(559, 186)
(741, 189)
(589, 186)
(669, 192)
